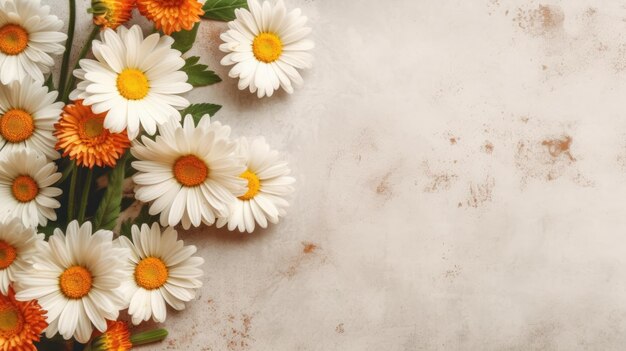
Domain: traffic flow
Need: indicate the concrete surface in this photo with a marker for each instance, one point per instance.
(461, 173)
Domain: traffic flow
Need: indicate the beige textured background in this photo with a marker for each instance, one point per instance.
(461, 173)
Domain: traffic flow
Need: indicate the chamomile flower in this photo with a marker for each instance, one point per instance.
(159, 270)
(268, 185)
(27, 117)
(75, 277)
(188, 173)
(267, 45)
(171, 15)
(137, 80)
(21, 323)
(26, 180)
(29, 34)
(18, 245)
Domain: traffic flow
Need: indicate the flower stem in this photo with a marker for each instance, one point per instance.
(85, 196)
(148, 337)
(68, 166)
(68, 45)
(72, 195)
(83, 52)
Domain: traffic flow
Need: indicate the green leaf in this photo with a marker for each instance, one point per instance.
(183, 40)
(130, 171)
(197, 74)
(48, 230)
(222, 10)
(110, 205)
(49, 83)
(198, 110)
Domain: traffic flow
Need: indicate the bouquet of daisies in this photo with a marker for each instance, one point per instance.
(98, 169)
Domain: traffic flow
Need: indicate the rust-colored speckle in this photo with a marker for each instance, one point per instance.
(488, 147)
(494, 7)
(439, 180)
(237, 334)
(355, 150)
(551, 16)
(453, 141)
(558, 147)
(591, 12)
(540, 21)
(548, 159)
(481, 192)
(453, 273)
(619, 63)
(383, 187)
(310, 254)
(340, 329)
(211, 33)
(309, 248)
(211, 305)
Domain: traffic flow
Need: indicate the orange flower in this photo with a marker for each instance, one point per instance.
(116, 338)
(171, 15)
(111, 13)
(21, 323)
(82, 136)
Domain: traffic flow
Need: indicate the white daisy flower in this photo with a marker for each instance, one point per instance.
(268, 185)
(18, 245)
(160, 269)
(136, 80)
(26, 180)
(27, 117)
(75, 277)
(28, 35)
(266, 44)
(188, 173)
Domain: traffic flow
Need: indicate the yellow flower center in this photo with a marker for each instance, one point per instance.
(11, 320)
(133, 84)
(24, 188)
(75, 282)
(91, 128)
(151, 273)
(254, 185)
(7, 254)
(190, 170)
(13, 39)
(16, 125)
(267, 47)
